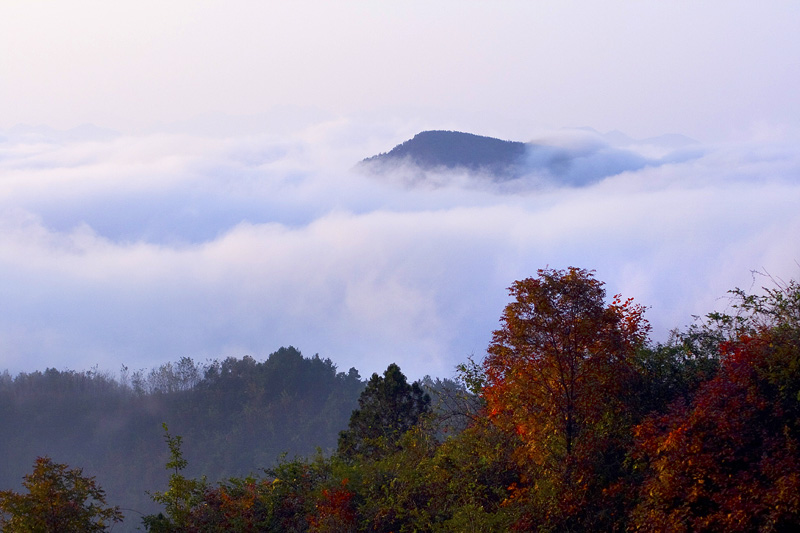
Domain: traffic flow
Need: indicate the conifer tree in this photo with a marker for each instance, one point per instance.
(387, 408)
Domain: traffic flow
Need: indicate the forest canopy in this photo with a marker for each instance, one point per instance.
(574, 420)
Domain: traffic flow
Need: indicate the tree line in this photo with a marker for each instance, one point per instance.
(573, 421)
(236, 415)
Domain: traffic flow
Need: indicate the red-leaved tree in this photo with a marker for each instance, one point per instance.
(730, 460)
(558, 373)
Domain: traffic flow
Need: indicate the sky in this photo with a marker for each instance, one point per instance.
(179, 178)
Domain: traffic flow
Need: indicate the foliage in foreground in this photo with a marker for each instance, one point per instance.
(235, 415)
(576, 423)
(59, 500)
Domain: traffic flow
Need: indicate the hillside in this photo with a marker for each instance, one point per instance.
(699, 434)
(570, 158)
(453, 150)
(237, 416)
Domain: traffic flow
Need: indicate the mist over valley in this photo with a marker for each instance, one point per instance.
(447, 204)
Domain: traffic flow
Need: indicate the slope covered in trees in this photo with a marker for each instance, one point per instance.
(574, 421)
(236, 416)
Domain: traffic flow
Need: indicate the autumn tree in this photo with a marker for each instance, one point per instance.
(558, 374)
(334, 511)
(729, 460)
(387, 408)
(59, 500)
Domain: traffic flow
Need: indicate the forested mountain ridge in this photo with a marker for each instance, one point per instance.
(572, 158)
(453, 150)
(574, 421)
(237, 416)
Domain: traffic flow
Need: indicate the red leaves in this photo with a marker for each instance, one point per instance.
(334, 510)
(559, 360)
(557, 377)
(728, 461)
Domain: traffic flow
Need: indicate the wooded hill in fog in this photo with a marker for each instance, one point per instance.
(237, 416)
(576, 158)
(454, 150)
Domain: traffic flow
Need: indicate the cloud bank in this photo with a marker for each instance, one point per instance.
(136, 250)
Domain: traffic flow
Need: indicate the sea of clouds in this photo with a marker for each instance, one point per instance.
(140, 249)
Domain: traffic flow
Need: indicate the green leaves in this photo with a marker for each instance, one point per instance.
(387, 408)
(181, 495)
(581, 425)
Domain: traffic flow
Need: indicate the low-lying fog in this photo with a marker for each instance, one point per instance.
(137, 250)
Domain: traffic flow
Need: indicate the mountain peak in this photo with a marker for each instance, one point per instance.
(455, 150)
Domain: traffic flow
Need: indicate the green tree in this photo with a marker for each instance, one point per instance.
(387, 408)
(59, 500)
(181, 495)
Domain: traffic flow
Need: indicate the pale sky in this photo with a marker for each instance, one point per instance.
(224, 216)
(710, 70)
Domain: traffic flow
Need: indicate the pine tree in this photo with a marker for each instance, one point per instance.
(387, 408)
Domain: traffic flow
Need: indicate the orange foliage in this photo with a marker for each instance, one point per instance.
(334, 511)
(559, 363)
(559, 374)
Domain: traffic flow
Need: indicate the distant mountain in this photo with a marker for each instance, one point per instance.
(454, 150)
(571, 158)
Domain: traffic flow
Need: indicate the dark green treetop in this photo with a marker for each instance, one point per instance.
(387, 408)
